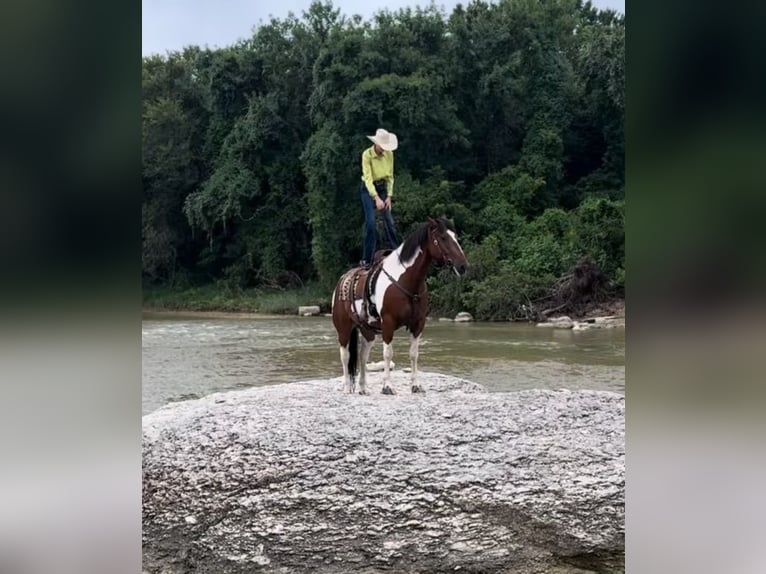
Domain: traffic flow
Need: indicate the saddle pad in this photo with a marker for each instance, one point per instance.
(352, 285)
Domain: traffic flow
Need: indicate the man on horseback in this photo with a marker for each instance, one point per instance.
(376, 191)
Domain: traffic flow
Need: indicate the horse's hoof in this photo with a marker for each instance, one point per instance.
(364, 392)
(418, 389)
(388, 391)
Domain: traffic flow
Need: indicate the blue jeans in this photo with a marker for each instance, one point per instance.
(370, 232)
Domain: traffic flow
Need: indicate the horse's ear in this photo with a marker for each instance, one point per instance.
(432, 223)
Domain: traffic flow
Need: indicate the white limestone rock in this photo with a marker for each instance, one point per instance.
(303, 478)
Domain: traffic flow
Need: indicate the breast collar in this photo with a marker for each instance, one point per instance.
(413, 296)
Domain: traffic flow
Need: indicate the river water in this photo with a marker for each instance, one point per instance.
(186, 358)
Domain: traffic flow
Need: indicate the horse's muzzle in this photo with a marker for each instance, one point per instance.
(460, 268)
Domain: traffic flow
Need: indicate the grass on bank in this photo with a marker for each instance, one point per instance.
(221, 298)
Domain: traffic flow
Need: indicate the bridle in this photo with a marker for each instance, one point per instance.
(414, 296)
(444, 258)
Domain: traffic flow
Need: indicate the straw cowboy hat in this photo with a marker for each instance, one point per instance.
(385, 139)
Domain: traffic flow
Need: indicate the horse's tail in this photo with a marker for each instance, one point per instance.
(353, 351)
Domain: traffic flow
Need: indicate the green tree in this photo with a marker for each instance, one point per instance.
(510, 119)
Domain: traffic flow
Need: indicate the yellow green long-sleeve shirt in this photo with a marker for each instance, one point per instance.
(375, 167)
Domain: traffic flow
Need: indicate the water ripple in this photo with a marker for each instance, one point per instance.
(185, 358)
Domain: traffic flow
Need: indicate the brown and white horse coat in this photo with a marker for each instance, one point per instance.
(397, 288)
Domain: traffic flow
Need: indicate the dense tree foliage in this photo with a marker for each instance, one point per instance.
(510, 120)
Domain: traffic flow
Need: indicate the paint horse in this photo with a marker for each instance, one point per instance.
(389, 295)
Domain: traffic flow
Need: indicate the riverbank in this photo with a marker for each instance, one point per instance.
(184, 314)
(219, 301)
(216, 302)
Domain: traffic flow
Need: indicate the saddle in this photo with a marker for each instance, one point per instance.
(359, 283)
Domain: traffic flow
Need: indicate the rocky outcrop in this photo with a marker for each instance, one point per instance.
(610, 322)
(562, 322)
(463, 317)
(303, 478)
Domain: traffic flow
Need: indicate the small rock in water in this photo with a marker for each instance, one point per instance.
(463, 317)
(307, 310)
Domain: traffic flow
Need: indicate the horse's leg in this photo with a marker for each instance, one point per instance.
(388, 354)
(345, 340)
(414, 344)
(363, 357)
(348, 384)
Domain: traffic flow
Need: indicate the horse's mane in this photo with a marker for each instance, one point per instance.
(420, 235)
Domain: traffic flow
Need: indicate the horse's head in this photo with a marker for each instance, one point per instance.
(443, 245)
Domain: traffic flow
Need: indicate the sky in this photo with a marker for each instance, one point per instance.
(169, 25)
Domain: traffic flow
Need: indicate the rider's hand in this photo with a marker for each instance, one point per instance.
(388, 203)
(379, 202)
